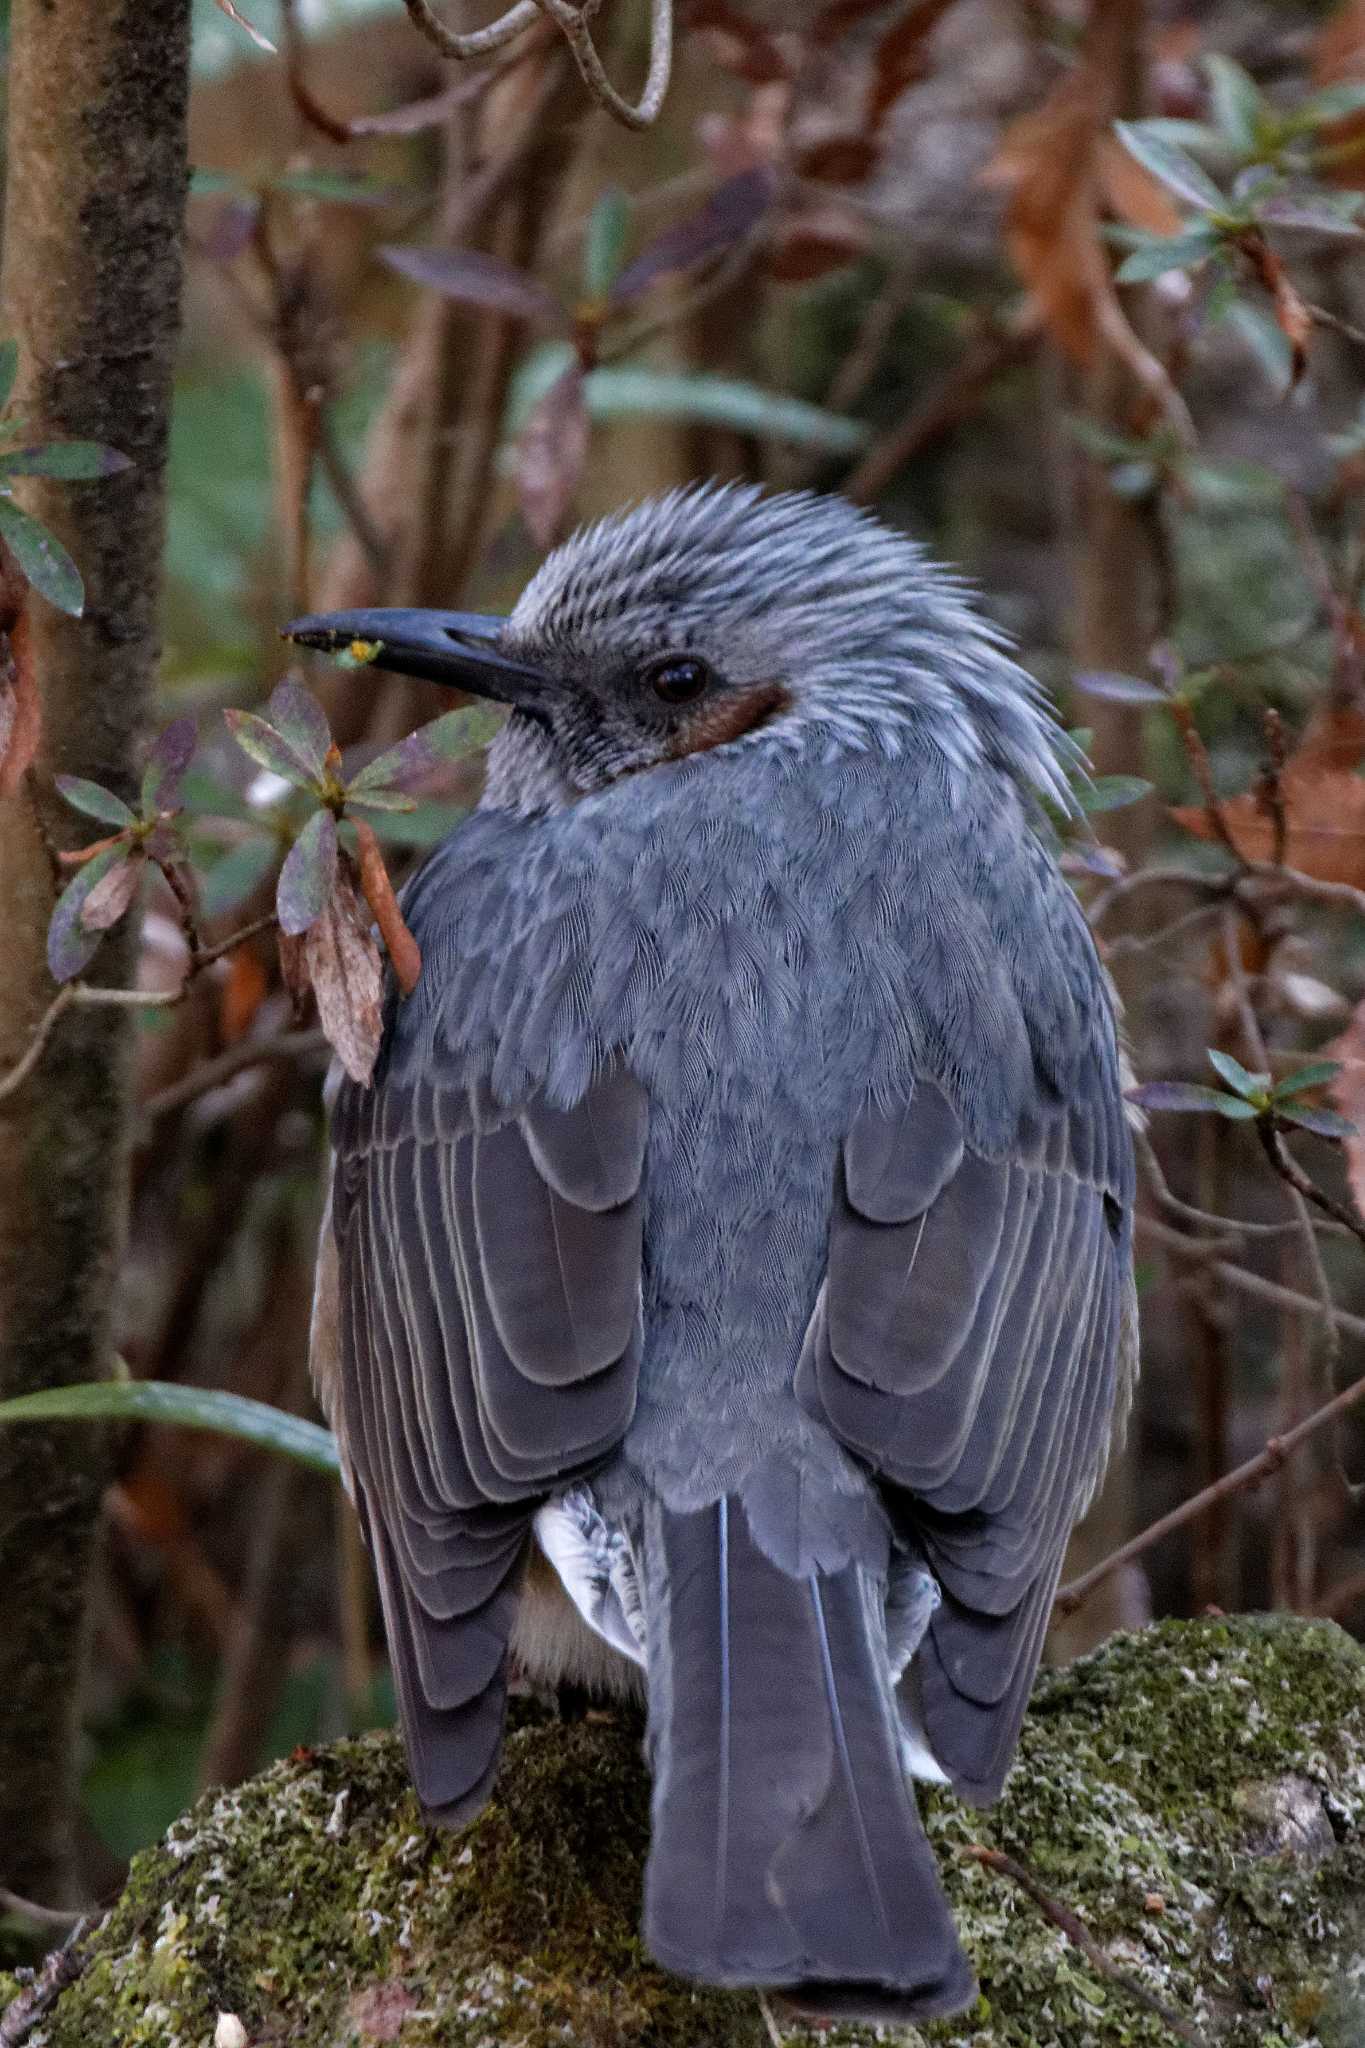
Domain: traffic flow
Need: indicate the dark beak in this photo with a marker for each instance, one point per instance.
(459, 649)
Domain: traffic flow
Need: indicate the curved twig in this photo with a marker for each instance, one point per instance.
(573, 23)
(479, 41)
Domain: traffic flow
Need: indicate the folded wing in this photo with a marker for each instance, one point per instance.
(487, 1341)
(971, 1342)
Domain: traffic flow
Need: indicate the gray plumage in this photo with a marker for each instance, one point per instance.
(749, 1169)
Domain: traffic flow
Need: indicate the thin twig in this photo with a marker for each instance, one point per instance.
(61, 1969)
(38, 1916)
(1271, 789)
(1171, 1204)
(1239, 1277)
(770, 2026)
(1266, 1462)
(1070, 1923)
(249, 1052)
(1277, 1152)
(83, 995)
(1203, 774)
(938, 411)
(1322, 316)
(573, 22)
(478, 42)
(347, 493)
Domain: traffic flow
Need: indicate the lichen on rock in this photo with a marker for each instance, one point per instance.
(1195, 1792)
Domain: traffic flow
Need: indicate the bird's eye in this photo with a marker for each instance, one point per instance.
(678, 678)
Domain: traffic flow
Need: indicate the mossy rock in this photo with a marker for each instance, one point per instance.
(1196, 1793)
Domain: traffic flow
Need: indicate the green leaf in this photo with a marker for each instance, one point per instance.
(1167, 161)
(1267, 341)
(380, 800)
(1187, 1095)
(95, 800)
(1236, 1075)
(631, 391)
(604, 242)
(1334, 103)
(1312, 1076)
(9, 370)
(1157, 254)
(299, 719)
(203, 182)
(307, 875)
(253, 1422)
(444, 739)
(1133, 480)
(237, 874)
(1324, 1123)
(70, 946)
(42, 558)
(1236, 102)
(71, 461)
(164, 774)
(1112, 792)
(255, 737)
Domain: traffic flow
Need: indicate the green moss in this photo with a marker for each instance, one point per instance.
(1196, 1793)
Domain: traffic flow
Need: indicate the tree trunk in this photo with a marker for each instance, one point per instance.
(97, 171)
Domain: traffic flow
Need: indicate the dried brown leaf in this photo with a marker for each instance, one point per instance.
(902, 58)
(112, 895)
(344, 967)
(1323, 799)
(551, 455)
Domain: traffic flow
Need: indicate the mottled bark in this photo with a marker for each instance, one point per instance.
(91, 288)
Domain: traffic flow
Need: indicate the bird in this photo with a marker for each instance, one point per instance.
(726, 1289)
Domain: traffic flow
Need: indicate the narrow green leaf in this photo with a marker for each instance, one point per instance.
(1313, 1076)
(1267, 341)
(1112, 792)
(71, 461)
(237, 874)
(1334, 102)
(95, 800)
(380, 800)
(1187, 1095)
(444, 739)
(270, 748)
(1236, 1075)
(1157, 254)
(307, 875)
(204, 182)
(297, 716)
(346, 188)
(1236, 102)
(604, 242)
(1167, 161)
(70, 946)
(253, 1422)
(42, 558)
(9, 370)
(1324, 1123)
(170, 756)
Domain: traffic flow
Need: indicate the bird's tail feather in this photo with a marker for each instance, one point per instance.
(786, 1846)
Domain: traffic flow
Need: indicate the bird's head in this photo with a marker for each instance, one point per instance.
(715, 618)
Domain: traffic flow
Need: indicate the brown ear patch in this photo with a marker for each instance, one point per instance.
(728, 718)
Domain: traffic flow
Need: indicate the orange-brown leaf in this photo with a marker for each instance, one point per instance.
(402, 947)
(1325, 813)
(551, 455)
(244, 990)
(1131, 193)
(1046, 162)
(21, 721)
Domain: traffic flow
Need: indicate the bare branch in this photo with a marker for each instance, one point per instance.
(1074, 1928)
(248, 1052)
(1266, 1462)
(479, 41)
(573, 21)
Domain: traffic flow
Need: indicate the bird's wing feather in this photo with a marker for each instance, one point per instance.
(970, 1342)
(487, 1337)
